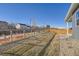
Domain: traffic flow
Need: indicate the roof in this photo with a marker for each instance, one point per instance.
(71, 11)
(3, 22)
(24, 24)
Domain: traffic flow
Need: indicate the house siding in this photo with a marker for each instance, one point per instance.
(75, 28)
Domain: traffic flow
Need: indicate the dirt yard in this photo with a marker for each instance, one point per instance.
(35, 45)
(41, 44)
(14, 37)
(69, 47)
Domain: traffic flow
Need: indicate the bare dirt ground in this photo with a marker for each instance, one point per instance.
(32, 46)
(69, 47)
(54, 48)
(41, 44)
(14, 37)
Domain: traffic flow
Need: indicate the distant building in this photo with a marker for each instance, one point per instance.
(12, 26)
(3, 25)
(6, 28)
(3, 28)
(22, 26)
(47, 26)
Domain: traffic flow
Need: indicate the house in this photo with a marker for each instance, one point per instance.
(20, 26)
(3, 25)
(73, 17)
(5, 28)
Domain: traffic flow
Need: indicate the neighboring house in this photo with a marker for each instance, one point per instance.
(6, 28)
(20, 26)
(12, 26)
(73, 16)
(3, 26)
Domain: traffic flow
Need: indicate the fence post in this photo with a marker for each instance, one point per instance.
(10, 35)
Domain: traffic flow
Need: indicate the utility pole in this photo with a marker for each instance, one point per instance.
(24, 34)
(33, 26)
(10, 35)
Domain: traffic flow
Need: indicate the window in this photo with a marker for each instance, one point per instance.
(78, 14)
(77, 17)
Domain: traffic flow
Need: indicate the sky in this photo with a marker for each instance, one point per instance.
(42, 13)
